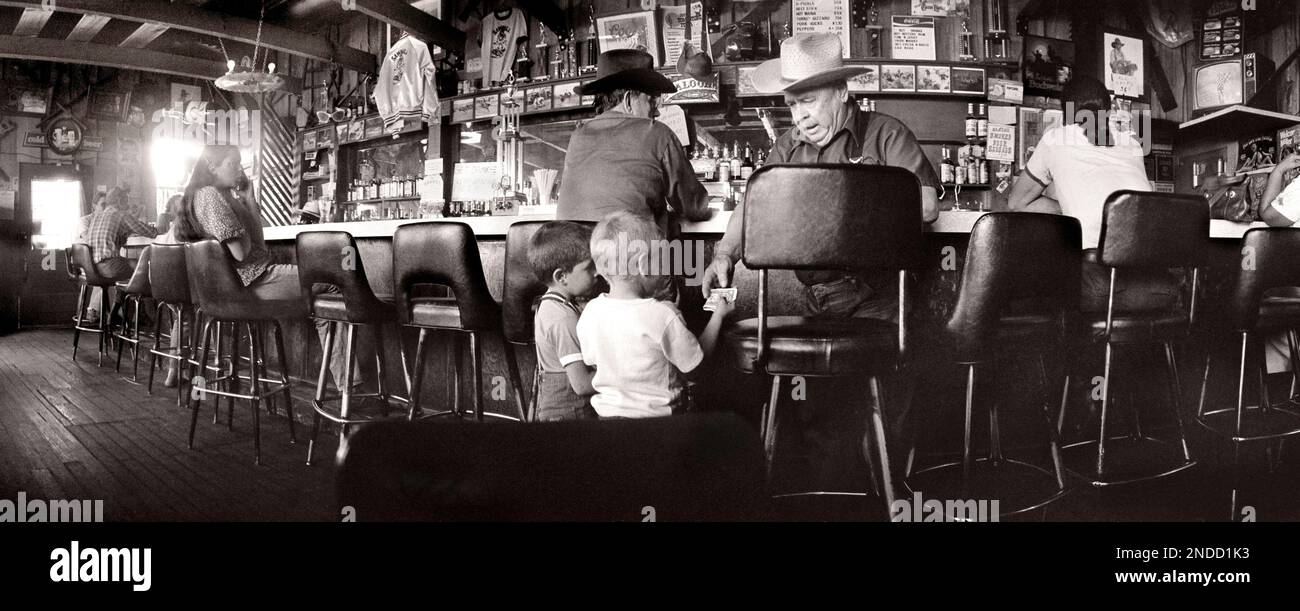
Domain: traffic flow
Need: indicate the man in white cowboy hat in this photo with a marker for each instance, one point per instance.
(829, 128)
(622, 159)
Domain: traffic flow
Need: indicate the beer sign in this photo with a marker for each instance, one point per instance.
(691, 90)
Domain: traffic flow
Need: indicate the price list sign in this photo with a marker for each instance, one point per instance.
(823, 16)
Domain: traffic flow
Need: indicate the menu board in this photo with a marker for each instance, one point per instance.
(475, 180)
(823, 16)
(673, 26)
(914, 38)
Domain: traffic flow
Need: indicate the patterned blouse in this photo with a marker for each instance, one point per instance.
(222, 221)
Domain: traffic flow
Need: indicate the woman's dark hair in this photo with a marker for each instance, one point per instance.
(1086, 94)
(188, 228)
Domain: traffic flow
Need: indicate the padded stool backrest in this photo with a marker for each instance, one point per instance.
(169, 279)
(220, 286)
(139, 282)
(689, 468)
(1269, 260)
(81, 257)
(443, 253)
(1013, 256)
(522, 287)
(1160, 230)
(832, 216)
(332, 257)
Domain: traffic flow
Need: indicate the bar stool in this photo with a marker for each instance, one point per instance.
(1152, 231)
(169, 283)
(867, 217)
(130, 292)
(332, 257)
(82, 265)
(446, 253)
(1012, 256)
(224, 299)
(519, 295)
(1273, 252)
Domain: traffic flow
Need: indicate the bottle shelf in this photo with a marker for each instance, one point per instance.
(382, 200)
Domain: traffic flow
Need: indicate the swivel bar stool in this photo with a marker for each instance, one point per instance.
(1269, 262)
(519, 294)
(332, 258)
(445, 253)
(1014, 259)
(81, 263)
(131, 292)
(867, 217)
(223, 298)
(169, 282)
(1151, 231)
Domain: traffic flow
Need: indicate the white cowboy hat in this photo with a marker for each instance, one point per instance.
(807, 61)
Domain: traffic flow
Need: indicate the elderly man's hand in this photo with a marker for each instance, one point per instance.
(716, 275)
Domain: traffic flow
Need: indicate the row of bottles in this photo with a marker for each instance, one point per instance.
(723, 165)
(967, 165)
(396, 186)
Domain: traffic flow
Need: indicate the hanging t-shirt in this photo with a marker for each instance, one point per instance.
(501, 33)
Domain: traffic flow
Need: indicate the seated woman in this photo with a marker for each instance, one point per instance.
(218, 204)
(1086, 162)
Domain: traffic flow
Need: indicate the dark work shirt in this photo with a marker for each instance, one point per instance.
(867, 137)
(619, 162)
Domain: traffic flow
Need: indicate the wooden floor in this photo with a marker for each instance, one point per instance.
(71, 430)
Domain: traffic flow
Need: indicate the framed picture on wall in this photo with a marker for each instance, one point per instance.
(486, 106)
(462, 110)
(897, 78)
(1123, 64)
(27, 100)
(630, 31)
(566, 95)
(539, 98)
(110, 105)
(934, 79)
(968, 80)
(866, 82)
(1047, 64)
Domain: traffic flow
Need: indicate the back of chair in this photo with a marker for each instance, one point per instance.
(332, 257)
(1015, 256)
(1269, 256)
(139, 282)
(1160, 230)
(82, 259)
(169, 279)
(687, 468)
(220, 285)
(832, 216)
(521, 288)
(443, 253)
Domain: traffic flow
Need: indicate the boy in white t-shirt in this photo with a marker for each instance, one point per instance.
(640, 347)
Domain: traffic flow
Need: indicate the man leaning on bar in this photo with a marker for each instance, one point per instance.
(829, 128)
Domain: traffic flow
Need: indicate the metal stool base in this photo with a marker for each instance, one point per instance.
(1125, 456)
(1024, 486)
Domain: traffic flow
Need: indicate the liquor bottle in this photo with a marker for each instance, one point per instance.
(710, 165)
(724, 166)
(947, 171)
(982, 122)
(735, 160)
(972, 124)
(747, 163)
(761, 160)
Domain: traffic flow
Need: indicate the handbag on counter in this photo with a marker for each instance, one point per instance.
(1235, 198)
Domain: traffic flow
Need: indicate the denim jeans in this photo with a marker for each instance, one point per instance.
(854, 297)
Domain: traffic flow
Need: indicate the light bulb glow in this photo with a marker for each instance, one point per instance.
(270, 67)
(230, 65)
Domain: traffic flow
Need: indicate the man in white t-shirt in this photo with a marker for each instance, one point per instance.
(1084, 164)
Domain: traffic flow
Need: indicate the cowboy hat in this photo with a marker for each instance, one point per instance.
(807, 61)
(627, 69)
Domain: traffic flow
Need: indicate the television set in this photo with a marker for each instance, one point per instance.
(1229, 82)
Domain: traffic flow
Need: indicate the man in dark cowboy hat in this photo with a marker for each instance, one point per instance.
(622, 159)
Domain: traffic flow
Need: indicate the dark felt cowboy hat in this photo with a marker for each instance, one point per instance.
(627, 69)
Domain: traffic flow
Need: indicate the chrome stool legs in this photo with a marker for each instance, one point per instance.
(102, 330)
(476, 367)
(345, 416)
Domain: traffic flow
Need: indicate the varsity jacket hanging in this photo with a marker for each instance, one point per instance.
(406, 90)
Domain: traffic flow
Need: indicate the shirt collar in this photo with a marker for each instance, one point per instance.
(850, 122)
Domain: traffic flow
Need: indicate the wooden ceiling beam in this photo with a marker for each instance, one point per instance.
(414, 21)
(188, 18)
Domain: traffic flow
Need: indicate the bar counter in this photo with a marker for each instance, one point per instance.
(934, 293)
